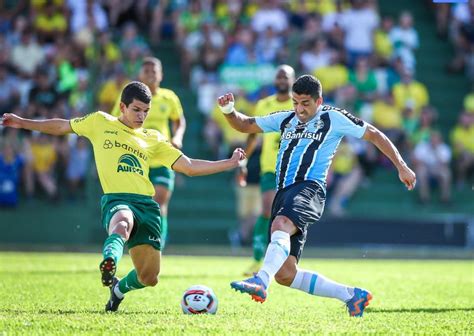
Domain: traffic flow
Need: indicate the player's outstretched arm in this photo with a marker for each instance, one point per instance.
(194, 167)
(237, 120)
(380, 140)
(48, 126)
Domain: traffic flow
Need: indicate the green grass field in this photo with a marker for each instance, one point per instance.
(49, 293)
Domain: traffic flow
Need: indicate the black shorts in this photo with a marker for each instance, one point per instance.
(303, 203)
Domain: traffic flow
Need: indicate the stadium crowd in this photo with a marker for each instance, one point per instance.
(66, 58)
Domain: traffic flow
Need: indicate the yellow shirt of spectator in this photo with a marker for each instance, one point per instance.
(123, 154)
(469, 103)
(344, 160)
(271, 140)
(332, 76)
(322, 7)
(165, 106)
(56, 22)
(44, 157)
(383, 45)
(386, 116)
(414, 94)
(229, 134)
(464, 137)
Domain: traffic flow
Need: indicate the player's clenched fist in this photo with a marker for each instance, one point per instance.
(226, 103)
(238, 156)
(11, 120)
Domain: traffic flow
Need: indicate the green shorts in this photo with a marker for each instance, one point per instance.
(162, 176)
(146, 217)
(268, 182)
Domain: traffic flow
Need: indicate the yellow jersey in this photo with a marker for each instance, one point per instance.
(165, 106)
(271, 140)
(123, 154)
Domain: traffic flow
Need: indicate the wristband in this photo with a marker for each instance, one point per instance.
(228, 108)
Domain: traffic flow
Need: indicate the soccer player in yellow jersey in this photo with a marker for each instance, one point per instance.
(123, 151)
(165, 109)
(284, 78)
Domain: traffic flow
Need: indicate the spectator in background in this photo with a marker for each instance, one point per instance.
(44, 158)
(11, 164)
(43, 93)
(362, 78)
(269, 46)
(346, 177)
(382, 42)
(77, 168)
(50, 21)
(271, 15)
(431, 159)
(405, 40)
(462, 139)
(9, 94)
(317, 55)
(359, 23)
(388, 118)
(27, 55)
(410, 92)
(468, 102)
(111, 89)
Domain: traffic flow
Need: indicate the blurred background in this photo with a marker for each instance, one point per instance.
(405, 66)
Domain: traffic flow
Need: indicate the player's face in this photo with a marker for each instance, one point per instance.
(305, 106)
(283, 81)
(151, 74)
(135, 114)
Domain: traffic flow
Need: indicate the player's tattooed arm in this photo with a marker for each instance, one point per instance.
(237, 120)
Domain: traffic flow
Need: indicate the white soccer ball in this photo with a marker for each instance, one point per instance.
(199, 299)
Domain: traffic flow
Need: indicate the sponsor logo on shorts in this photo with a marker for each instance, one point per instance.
(129, 164)
(155, 239)
(119, 207)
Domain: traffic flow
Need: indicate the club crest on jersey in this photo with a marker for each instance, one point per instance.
(319, 124)
(129, 164)
(288, 125)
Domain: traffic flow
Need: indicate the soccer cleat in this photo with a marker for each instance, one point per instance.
(107, 269)
(254, 268)
(114, 302)
(253, 286)
(359, 301)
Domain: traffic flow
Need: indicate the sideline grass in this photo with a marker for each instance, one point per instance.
(52, 293)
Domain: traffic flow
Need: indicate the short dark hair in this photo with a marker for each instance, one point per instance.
(308, 85)
(135, 90)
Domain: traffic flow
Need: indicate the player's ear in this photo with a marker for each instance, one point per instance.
(122, 107)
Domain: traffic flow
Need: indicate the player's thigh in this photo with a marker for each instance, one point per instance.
(121, 223)
(286, 274)
(146, 259)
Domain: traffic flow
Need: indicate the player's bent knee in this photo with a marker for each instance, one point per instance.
(122, 229)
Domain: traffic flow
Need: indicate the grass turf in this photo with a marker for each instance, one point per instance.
(51, 293)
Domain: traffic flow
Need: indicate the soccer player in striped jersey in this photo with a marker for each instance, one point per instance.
(123, 151)
(284, 78)
(309, 136)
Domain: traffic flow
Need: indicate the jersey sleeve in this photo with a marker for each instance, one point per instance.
(177, 108)
(272, 122)
(85, 126)
(165, 153)
(345, 123)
